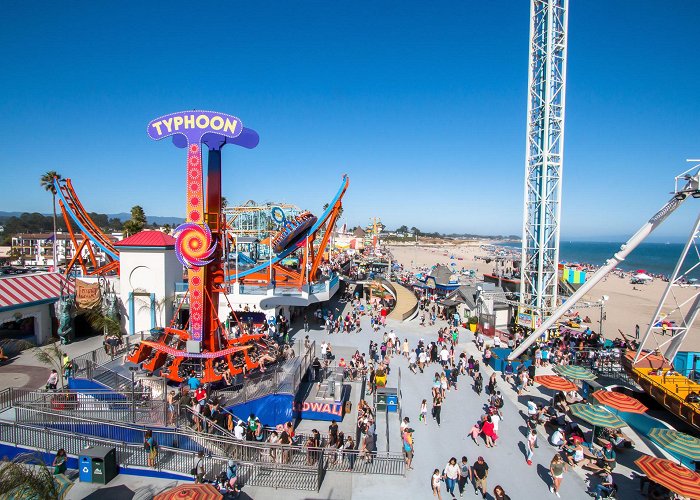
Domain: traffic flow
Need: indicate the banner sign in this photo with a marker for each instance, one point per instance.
(313, 407)
(87, 295)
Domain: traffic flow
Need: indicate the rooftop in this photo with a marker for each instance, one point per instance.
(153, 239)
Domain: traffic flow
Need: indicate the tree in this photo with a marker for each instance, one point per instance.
(402, 229)
(51, 355)
(415, 231)
(167, 229)
(224, 203)
(47, 182)
(137, 221)
(27, 476)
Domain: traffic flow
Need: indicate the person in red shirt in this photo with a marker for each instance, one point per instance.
(489, 433)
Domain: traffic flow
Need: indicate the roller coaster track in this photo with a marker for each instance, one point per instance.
(74, 211)
(329, 213)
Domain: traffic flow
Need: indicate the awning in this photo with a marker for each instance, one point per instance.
(28, 289)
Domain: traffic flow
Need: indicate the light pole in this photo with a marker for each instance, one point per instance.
(133, 369)
(603, 300)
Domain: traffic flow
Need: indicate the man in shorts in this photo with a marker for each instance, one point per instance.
(480, 471)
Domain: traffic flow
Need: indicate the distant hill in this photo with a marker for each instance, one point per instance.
(123, 216)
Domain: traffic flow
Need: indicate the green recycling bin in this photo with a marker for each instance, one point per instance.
(104, 463)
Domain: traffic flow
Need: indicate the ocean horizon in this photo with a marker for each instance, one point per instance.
(657, 258)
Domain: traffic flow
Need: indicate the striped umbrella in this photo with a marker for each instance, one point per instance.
(676, 442)
(619, 401)
(595, 415)
(671, 475)
(196, 491)
(575, 372)
(555, 383)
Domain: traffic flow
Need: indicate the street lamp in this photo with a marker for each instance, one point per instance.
(133, 369)
(603, 300)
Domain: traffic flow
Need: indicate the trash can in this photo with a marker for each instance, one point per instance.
(85, 466)
(392, 403)
(98, 464)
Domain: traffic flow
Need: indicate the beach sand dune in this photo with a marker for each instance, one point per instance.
(628, 304)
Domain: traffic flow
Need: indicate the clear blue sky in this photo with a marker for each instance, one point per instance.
(421, 103)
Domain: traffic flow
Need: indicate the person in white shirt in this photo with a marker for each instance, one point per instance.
(412, 361)
(324, 349)
(239, 430)
(495, 419)
(444, 355)
(422, 359)
(558, 438)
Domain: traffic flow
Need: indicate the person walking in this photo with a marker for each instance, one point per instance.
(557, 468)
(636, 332)
(451, 475)
(531, 445)
(465, 474)
(435, 481)
(480, 472)
(423, 412)
(499, 493)
(437, 408)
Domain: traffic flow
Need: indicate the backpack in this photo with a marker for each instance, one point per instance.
(499, 402)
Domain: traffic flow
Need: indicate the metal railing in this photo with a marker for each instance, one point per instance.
(279, 378)
(95, 405)
(169, 459)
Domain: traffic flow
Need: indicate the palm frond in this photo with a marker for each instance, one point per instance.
(27, 476)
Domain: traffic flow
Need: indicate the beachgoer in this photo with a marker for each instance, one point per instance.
(451, 472)
(60, 462)
(151, 446)
(557, 467)
(531, 445)
(499, 493)
(435, 481)
(465, 474)
(480, 471)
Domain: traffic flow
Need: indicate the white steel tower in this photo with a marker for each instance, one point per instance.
(544, 160)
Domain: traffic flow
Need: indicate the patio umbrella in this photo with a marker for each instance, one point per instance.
(679, 443)
(597, 416)
(575, 372)
(192, 491)
(555, 383)
(671, 475)
(619, 401)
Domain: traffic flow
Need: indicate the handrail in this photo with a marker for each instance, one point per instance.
(170, 459)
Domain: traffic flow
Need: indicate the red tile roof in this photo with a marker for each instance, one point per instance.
(147, 239)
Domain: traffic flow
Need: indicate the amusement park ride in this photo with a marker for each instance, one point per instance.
(202, 246)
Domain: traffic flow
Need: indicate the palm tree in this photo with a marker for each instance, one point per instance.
(46, 182)
(51, 355)
(27, 476)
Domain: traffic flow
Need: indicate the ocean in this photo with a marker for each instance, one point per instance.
(657, 258)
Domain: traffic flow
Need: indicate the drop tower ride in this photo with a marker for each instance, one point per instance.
(544, 160)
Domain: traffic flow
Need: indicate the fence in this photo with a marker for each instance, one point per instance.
(95, 405)
(219, 444)
(277, 475)
(279, 378)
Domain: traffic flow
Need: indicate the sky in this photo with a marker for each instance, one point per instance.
(422, 104)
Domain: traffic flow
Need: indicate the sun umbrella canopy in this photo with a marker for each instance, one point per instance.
(575, 372)
(671, 475)
(619, 401)
(596, 415)
(193, 491)
(555, 383)
(680, 443)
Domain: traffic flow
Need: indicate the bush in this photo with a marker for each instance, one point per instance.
(473, 320)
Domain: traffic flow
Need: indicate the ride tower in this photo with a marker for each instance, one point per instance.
(544, 160)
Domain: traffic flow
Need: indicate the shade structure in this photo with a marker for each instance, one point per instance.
(675, 477)
(596, 416)
(555, 383)
(619, 401)
(575, 372)
(677, 442)
(190, 492)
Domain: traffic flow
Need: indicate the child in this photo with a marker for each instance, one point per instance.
(423, 412)
(475, 431)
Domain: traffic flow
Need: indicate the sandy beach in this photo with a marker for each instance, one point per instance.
(628, 304)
